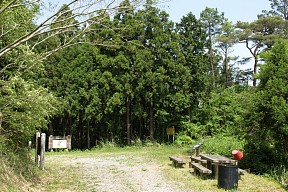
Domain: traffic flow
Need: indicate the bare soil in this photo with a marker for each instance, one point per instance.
(118, 173)
(133, 171)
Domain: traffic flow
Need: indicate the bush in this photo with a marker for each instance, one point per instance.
(184, 140)
(259, 157)
(194, 131)
(16, 169)
(280, 174)
(222, 145)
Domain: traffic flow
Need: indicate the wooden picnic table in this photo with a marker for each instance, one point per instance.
(218, 159)
(213, 162)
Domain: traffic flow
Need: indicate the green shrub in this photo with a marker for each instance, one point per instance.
(259, 157)
(195, 131)
(16, 169)
(280, 174)
(222, 145)
(183, 140)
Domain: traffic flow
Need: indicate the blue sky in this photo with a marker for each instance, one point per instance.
(234, 10)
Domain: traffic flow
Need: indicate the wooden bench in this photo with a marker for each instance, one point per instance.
(201, 169)
(198, 160)
(178, 162)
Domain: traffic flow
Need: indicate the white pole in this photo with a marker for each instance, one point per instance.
(42, 152)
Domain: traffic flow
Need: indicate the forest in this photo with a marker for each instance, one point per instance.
(123, 72)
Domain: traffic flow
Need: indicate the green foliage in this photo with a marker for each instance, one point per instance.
(272, 104)
(261, 33)
(280, 174)
(131, 90)
(224, 112)
(25, 108)
(17, 21)
(195, 131)
(222, 145)
(16, 167)
(259, 156)
(183, 140)
(279, 7)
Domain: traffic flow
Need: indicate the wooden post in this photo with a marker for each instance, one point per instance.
(42, 152)
(68, 138)
(50, 143)
(197, 151)
(37, 145)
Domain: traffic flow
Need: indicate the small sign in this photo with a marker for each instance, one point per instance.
(170, 131)
(59, 144)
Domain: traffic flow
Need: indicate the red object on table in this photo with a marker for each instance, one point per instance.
(237, 154)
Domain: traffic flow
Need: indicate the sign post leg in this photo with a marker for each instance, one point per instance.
(42, 152)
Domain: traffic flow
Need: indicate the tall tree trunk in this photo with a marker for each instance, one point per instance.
(141, 128)
(88, 136)
(212, 66)
(128, 121)
(254, 53)
(226, 70)
(151, 117)
(255, 70)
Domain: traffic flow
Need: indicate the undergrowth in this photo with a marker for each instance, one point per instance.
(17, 171)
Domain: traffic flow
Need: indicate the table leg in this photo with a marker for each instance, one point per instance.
(209, 165)
(216, 168)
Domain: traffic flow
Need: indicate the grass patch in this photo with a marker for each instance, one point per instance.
(17, 170)
(59, 178)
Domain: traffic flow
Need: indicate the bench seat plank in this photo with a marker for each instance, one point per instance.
(201, 168)
(198, 159)
(177, 161)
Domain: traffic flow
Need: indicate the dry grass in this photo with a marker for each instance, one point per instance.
(59, 178)
(13, 181)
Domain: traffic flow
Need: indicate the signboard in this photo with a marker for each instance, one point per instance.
(170, 131)
(59, 144)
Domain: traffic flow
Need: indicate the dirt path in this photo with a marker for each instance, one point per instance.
(119, 173)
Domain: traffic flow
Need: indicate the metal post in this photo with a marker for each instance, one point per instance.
(42, 152)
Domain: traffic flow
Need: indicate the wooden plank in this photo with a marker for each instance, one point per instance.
(198, 159)
(218, 159)
(177, 161)
(201, 168)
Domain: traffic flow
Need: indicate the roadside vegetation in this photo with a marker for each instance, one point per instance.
(17, 171)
